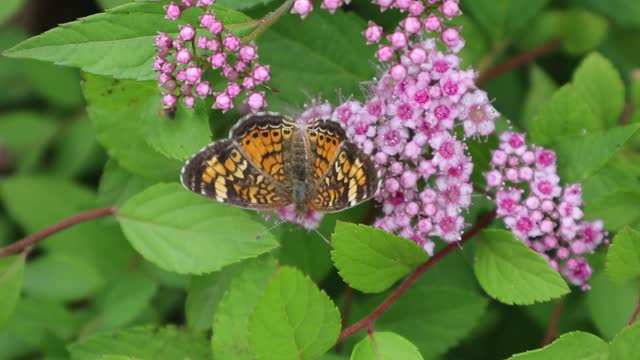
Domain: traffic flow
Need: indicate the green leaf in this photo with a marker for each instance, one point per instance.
(35, 320)
(142, 343)
(623, 256)
(76, 150)
(372, 260)
(578, 30)
(117, 43)
(564, 115)
(122, 107)
(242, 4)
(598, 83)
(180, 137)
(434, 318)
(58, 85)
(504, 18)
(26, 135)
(231, 322)
(616, 209)
(512, 273)
(108, 4)
(573, 345)
(117, 185)
(581, 156)
(624, 12)
(9, 8)
(610, 305)
(541, 88)
(123, 302)
(204, 295)
(626, 345)
(188, 234)
(385, 346)
(62, 277)
(294, 319)
(335, 57)
(582, 31)
(11, 273)
(37, 202)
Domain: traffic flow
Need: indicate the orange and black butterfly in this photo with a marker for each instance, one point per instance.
(270, 161)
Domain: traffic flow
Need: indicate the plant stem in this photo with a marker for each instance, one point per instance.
(267, 21)
(635, 314)
(76, 219)
(368, 321)
(552, 329)
(516, 61)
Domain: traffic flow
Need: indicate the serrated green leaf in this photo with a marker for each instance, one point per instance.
(610, 305)
(335, 57)
(512, 273)
(623, 256)
(188, 234)
(293, 319)
(565, 114)
(26, 135)
(117, 185)
(581, 156)
(385, 346)
(116, 43)
(541, 88)
(142, 343)
(120, 110)
(372, 260)
(574, 345)
(231, 321)
(504, 18)
(626, 345)
(11, 274)
(35, 320)
(598, 82)
(204, 295)
(616, 209)
(434, 318)
(62, 277)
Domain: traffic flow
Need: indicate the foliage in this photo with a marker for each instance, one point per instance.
(166, 274)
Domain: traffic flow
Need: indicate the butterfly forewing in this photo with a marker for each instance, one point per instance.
(222, 172)
(344, 175)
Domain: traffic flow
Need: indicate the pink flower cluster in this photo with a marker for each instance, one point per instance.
(408, 122)
(183, 60)
(539, 211)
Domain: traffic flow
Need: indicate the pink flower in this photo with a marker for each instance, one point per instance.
(173, 11)
(256, 101)
(231, 42)
(373, 33)
(261, 74)
(478, 115)
(187, 33)
(302, 8)
(247, 53)
(223, 102)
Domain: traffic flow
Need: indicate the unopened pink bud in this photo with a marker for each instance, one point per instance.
(189, 101)
(218, 60)
(261, 74)
(193, 74)
(163, 40)
(183, 56)
(233, 90)
(247, 53)
(416, 8)
(373, 33)
(432, 23)
(411, 24)
(331, 5)
(231, 42)
(418, 56)
(385, 53)
(207, 20)
(256, 101)
(302, 8)
(223, 102)
(203, 89)
(169, 100)
(201, 43)
(398, 72)
(403, 4)
(173, 11)
(398, 40)
(187, 32)
(450, 9)
(248, 83)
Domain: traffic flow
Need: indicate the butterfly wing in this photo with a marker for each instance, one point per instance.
(244, 171)
(343, 175)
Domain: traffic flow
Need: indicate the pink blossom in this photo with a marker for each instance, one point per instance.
(302, 8)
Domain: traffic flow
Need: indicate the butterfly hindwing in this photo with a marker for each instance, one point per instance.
(222, 172)
(350, 176)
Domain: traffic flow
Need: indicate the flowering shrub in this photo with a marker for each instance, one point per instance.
(539, 211)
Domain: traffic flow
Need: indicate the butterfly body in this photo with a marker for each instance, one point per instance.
(270, 162)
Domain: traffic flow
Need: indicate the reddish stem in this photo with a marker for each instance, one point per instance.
(552, 329)
(368, 321)
(635, 314)
(516, 61)
(33, 239)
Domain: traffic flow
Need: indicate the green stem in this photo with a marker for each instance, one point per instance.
(267, 21)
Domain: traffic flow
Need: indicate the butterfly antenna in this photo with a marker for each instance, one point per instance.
(323, 237)
(270, 228)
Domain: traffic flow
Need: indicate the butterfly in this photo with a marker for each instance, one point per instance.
(269, 162)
